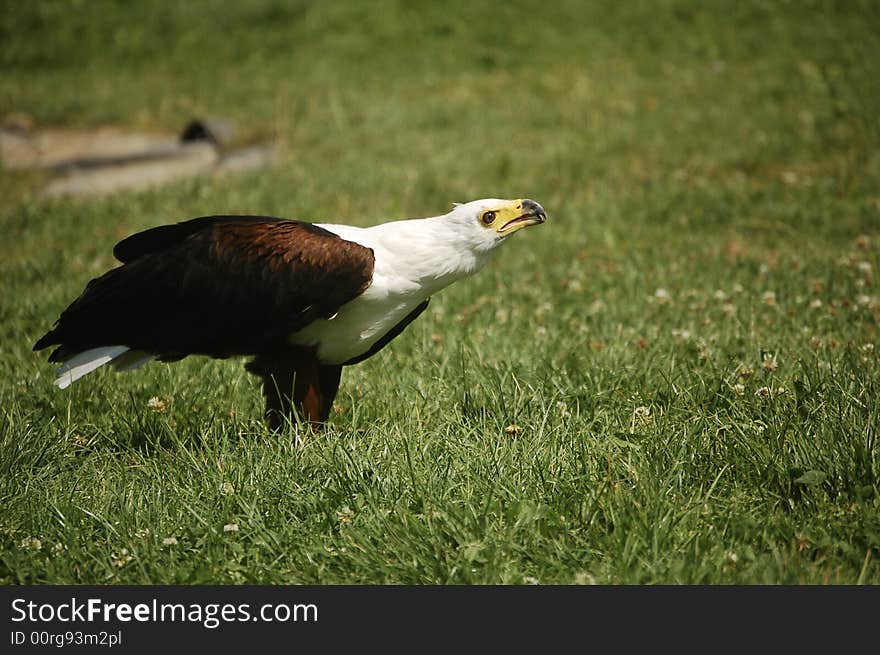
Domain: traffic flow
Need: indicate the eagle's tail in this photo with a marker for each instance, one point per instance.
(83, 363)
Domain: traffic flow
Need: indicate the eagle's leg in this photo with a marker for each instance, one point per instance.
(329, 377)
(297, 382)
(307, 389)
(277, 391)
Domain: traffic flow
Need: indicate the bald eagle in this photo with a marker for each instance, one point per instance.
(302, 300)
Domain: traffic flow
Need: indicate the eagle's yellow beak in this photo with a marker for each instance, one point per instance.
(519, 214)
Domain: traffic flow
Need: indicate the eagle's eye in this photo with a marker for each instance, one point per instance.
(488, 218)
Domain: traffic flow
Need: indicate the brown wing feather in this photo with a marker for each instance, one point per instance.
(217, 286)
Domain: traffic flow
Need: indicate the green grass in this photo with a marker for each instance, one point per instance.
(689, 346)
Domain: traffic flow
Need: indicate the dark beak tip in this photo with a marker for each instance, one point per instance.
(534, 208)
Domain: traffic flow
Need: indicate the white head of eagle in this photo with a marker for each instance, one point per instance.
(302, 300)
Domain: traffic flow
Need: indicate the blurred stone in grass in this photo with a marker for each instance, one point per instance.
(110, 159)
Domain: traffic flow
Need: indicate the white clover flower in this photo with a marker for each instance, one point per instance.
(596, 307)
(584, 578)
(642, 411)
(746, 371)
(121, 559)
(564, 412)
(159, 405)
(30, 543)
(641, 416)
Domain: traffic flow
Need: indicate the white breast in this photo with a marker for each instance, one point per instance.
(359, 323)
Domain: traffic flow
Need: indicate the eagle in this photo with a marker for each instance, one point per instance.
(300, 300)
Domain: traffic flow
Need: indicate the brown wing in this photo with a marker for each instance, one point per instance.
(217, 286)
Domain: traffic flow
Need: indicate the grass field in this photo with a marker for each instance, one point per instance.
(674, 380)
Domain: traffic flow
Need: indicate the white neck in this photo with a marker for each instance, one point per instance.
(429, 252)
